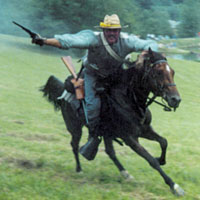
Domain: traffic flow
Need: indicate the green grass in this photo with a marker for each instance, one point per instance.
(183, 45)
(183, 42)
(36, 161)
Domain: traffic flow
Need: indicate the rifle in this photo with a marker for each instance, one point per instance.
(31, 33)
(68, 62)
(77, 82)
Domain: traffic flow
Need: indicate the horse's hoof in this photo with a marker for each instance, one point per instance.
(126, 175)
(161, 161)
(79, 170)
(177, 190)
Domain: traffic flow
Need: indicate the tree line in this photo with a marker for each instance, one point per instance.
(69, 16)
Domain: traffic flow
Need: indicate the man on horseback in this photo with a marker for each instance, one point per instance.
(106, 53)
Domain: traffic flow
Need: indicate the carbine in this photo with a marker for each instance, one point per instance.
(77, 82)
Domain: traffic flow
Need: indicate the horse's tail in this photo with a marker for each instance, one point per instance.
(52, 90)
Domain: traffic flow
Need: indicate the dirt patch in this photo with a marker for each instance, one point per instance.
(35, 137)
(28, 164)
(18, 122)
(38, 137)
(24, 163)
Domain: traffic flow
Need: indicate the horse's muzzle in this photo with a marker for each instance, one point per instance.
(173, 100)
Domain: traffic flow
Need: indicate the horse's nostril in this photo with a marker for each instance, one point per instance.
(176, 99)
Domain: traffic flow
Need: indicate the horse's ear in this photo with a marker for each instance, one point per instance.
(150, 51)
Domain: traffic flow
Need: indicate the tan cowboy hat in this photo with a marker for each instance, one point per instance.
(110, 22)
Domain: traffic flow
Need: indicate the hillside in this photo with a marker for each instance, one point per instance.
(36, 161)
(182, 46)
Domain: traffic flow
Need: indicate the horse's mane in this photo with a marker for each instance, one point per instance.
(139, 69)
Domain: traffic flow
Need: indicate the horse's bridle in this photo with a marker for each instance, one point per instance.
(159, 62)
(152, 99)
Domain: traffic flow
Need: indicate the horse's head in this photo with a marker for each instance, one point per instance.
(161, 78)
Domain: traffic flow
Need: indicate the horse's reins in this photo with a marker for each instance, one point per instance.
(152, 99)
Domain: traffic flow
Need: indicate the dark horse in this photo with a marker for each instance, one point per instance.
(124, 111)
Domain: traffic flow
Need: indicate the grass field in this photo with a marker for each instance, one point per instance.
(36, 161)
(182, 45)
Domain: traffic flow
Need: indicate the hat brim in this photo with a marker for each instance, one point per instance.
(111, 27)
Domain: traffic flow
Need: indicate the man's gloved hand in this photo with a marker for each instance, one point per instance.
(38, 40)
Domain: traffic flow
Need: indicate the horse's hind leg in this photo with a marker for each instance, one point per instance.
(149, 133)
(74, 126)
(76, 136)
(131, 142)
(111, 153)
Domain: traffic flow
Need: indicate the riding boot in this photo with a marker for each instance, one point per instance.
(89, 150)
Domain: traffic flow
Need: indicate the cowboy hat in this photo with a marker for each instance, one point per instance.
(111, 22)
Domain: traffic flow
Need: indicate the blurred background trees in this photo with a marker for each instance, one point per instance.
(69, 16)
(190, 19)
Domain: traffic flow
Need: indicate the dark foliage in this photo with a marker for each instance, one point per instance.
(59, 17)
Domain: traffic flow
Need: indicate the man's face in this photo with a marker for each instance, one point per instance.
(111, 35)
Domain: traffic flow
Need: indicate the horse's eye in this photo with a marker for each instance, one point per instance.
(160, 73)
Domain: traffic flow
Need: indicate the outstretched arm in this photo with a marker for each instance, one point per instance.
(81, 40)
(50, 41)
(136, 44)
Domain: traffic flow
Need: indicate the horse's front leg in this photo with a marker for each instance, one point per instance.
(149, 133)
(111, 153)
(175, 188)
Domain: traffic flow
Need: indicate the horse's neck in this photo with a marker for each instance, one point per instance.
(139, 86)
